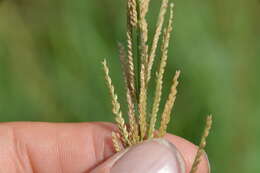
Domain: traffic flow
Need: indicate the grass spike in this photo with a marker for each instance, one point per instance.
(159, 25)
(116, 142)
(202, 145)
(133, 124)
(168, 106)
(142, 105)
(116, 107)
(160, 73)
(132, 12)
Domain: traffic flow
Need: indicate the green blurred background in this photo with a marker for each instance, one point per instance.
(50, 68)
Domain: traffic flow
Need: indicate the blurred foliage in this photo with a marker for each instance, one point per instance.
(50, 54)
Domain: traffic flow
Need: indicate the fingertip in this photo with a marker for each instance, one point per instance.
(189, 150)
(153, 156)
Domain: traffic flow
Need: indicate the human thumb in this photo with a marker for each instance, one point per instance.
(153, 156)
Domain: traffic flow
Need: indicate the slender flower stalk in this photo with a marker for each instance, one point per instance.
(131, 24)
(130, 66)
(156, 37)
(116, 107)
(116, 142)
(160, 73)
(168, 106)
(133, 129)
(132, 13)
(143, 28)
(202, 145)
(142, 105)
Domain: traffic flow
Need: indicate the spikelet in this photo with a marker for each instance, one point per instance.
(116, 142)
(132, 13)
(168, 106)
(116, 107)
(130, 69)
(133, 130)
(124, 65)
(143, 26)
(159, 82)
(127, 74)
(142, 105)
(131, 23)
(156, 37)
(202, 144)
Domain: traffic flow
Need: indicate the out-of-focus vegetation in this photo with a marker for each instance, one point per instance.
(50, 54)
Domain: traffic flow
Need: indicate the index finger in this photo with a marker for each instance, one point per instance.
(54, 147)
(67, 147)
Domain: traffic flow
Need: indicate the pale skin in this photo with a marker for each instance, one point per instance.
(32, 147)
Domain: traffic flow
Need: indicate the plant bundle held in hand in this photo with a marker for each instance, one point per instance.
(137, 63)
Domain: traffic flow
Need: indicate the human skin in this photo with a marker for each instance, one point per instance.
(38, 147)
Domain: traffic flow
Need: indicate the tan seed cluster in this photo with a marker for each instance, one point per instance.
(137, 63)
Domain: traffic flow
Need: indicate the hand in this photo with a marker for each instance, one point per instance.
(86, 147)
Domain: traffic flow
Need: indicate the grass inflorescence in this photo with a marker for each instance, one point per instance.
(137, 62)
